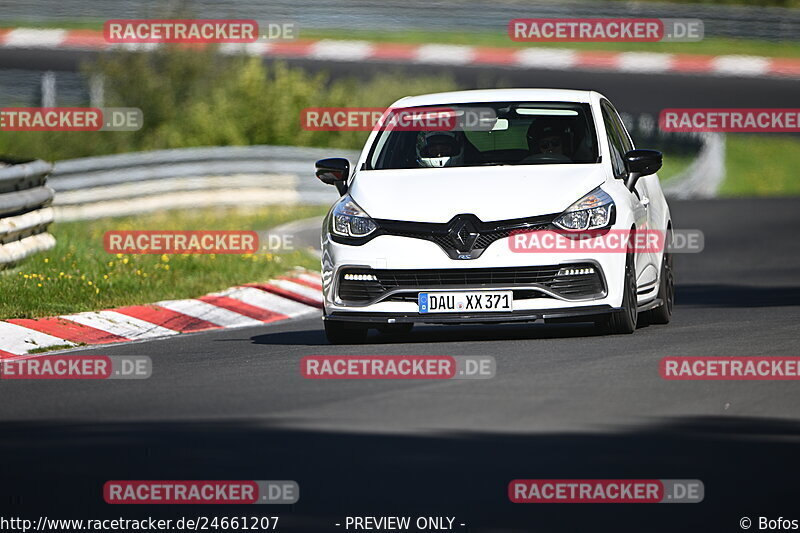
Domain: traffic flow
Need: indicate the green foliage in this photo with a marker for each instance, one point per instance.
(193, 97)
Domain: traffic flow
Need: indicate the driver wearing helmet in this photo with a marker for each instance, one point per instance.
(549, 137)
(440, 149)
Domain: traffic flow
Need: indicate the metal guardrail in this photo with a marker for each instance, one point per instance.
(25, 211)
(756, 22)
(133, 183)
(128, 184)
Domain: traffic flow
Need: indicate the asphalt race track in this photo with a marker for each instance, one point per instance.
(565, 403)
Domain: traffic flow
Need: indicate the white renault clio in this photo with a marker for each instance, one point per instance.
(424, 228)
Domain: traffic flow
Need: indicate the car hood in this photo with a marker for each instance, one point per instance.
(489, 192)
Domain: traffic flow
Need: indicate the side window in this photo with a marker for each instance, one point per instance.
(615, 143)
(627, 145)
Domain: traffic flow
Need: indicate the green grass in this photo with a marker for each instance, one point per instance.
(764, 3)
(761, 165)
(78, 275)
(674, 165)
(54, 347)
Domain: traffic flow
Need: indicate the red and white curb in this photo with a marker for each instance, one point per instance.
(294, 295)
(440, 54)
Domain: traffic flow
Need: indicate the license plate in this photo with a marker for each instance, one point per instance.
(465, 302)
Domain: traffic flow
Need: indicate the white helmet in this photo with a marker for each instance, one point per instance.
(439, 149)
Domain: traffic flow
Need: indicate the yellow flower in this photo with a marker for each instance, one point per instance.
(111, 263)
(119, 256)
(165, 258)
(46, 259)
(38, 284)
(96, 290)
(105, 276)
(166, 267)
(125, 261)
(89, 283)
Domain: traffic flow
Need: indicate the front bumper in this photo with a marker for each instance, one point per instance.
(416, 255)
(576, 313)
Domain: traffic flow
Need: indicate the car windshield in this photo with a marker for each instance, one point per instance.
(506, 133)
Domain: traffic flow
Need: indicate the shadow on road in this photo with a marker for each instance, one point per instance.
(719, 295)
(427, 334)
(749, 467)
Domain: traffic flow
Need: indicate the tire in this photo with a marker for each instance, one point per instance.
(666, 291)
(624, 321)
(396, 330)
(345, 332)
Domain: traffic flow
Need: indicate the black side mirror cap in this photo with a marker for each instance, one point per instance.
(334, 171)
(641, 163)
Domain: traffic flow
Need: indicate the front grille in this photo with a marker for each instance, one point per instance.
(482, 242)
(409, 282)
(445, 234)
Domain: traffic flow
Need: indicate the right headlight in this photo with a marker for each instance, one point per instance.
(593, 211)
(349, 220)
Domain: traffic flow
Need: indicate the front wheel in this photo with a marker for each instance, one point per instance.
(624, 320)
(666, 291)
(345, 332)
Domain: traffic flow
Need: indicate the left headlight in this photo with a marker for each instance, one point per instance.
(593, 211)
(349, 220)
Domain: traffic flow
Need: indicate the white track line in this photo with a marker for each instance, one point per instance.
(644, 62)
(251, 49)
(33, 38)
(341, 50)
(268, 301)
(445, 54)
(210, 313)
(119, 324)
(543, 58)
(296, 288)
(740, 65)
(309, 277)
(20, 340)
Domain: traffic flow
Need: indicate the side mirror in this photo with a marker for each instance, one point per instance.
(334, 171)
(641, 163)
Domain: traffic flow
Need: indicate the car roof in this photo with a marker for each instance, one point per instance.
(498, 95)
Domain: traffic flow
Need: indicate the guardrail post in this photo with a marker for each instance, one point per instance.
(48, 89)
(25, 211)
